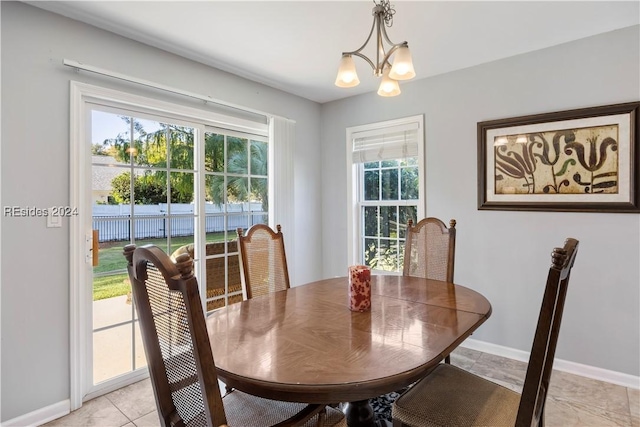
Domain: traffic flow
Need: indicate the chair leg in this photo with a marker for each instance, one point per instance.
(541, 420)
(447, 359)
(322, 415)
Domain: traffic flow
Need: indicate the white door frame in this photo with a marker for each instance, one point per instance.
(80, 295)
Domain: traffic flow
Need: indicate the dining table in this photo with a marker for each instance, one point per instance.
(304, 344)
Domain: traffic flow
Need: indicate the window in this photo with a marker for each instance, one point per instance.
(386, 190)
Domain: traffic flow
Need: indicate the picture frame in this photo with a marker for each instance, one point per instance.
(582, 160)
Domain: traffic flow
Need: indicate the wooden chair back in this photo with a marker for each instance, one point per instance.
(263, 261)
(536, 383)
(174, 333)
(430, 249)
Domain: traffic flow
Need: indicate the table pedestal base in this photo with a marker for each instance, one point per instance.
(360, 414)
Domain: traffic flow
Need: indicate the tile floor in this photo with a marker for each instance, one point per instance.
(572, 400)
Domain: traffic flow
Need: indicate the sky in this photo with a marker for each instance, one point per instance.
(108, 125)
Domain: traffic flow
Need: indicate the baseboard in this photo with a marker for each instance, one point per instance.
(592, 372)
(41, 416)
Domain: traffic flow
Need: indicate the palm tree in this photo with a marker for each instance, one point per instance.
(246, 171)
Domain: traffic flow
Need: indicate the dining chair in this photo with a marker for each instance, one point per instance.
(429, 252)
(450, 396)
(180, 359)
(263, 261)
(430, 249)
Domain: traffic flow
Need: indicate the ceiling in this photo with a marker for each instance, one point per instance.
(295, 46)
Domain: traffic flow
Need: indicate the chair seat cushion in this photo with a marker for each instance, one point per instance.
(450, 397)
(244, 410)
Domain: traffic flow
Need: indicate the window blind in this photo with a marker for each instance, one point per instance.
(392, 142)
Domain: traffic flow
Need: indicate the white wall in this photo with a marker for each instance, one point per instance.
(506, 255)
(35, 172)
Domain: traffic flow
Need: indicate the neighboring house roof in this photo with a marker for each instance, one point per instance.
(104, 169)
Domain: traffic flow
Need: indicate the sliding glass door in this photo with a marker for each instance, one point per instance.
(142, 192)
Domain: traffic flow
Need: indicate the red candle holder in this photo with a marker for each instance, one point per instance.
(359, 288)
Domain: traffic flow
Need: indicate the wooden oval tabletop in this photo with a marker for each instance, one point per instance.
(305, 345)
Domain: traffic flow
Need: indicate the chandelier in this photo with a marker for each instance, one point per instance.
(402, 68)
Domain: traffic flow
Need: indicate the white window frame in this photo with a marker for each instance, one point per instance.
(354, 207)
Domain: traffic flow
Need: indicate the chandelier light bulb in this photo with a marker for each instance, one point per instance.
(388, 86)
(347, 75)
(402, 68)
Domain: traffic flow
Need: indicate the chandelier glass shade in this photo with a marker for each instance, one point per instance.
(402, 67)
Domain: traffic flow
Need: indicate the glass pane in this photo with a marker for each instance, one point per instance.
(259, 194)
(390, 184)
(112, 297)
(237, 155)
(214, 227)
(370, 252)
(178, 244)
(409, 161)
(409, 184)
(181, 244)
(371, 221)
(106, 130)
(214, 189)
(372, 165)
(150, 143)
(181, 227)
(108, 363)
(389, 163)
(233, 265)
(407, 213)
(151, 226)
(182, 188)
(259, 158)
(162, 243)
(140, 359)
(371, 185)
(215, 270)
(181, 145)
(388, 221)
(259, 218)
(215, 303)
(213, 152)
(239, 221)
(149, 187)
(237, 190)
(387, 255)
(111, 138)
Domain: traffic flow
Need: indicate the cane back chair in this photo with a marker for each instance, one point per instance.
(180, 357)
(450, 396)
(263, 260)
(430, 249)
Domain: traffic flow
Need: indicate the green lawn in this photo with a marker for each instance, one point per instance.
(112, 280)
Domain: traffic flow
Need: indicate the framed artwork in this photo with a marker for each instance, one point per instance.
(585, 160)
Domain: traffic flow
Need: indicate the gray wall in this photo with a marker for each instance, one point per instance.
(35, 172)
(505, 255)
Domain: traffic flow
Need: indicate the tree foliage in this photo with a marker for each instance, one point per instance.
(244, 158)
(171, 147)
(237, 167)
(147, 189)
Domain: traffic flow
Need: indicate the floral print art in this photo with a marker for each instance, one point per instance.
(570, 161)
